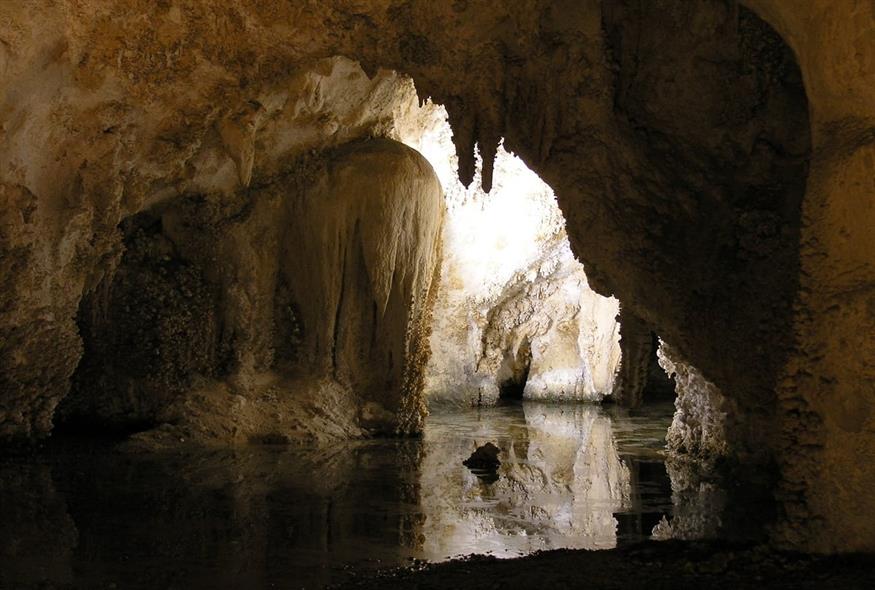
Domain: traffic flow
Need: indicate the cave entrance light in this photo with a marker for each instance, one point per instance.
(513, 301)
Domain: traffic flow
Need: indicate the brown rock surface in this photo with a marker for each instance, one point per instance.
(300, 308)
(676, 135)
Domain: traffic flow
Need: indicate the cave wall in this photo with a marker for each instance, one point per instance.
(549, 335)
(676, 136)
(91, 141)
(150, 330)
(377, 215)
(230, 316)
(827, 417)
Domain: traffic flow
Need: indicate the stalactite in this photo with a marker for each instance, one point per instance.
(488, 139)
(463, 121)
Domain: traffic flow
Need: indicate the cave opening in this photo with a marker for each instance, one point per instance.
(514, 315)
(523, 352)
(514, 374)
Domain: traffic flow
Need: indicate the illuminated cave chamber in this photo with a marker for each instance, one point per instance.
(713, 161)
(515, 317)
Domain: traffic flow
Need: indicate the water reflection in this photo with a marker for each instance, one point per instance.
(571, 476)
(560, 482)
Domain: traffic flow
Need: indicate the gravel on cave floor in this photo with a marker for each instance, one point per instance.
(651, 565)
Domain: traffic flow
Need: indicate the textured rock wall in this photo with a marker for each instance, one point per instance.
(121, 149)
(826, 418)
(702, 413)
(148, 330)
(293, 305)
(676, 135)
(550, 335)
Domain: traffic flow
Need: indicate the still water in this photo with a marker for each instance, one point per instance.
(573, 476)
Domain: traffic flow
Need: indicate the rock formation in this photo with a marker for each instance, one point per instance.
(563, 473)
(713, 161)
(515, 315)
(549, 335)
(301, 306)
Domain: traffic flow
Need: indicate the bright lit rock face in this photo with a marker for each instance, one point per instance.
(703, 413)
(714, 165)
(515, 312)
(549, 336)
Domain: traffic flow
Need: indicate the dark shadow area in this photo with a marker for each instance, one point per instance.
(81, 513)
(645, 566)
(659, 387)
(720, 121)
(516, 369)
(149, 331)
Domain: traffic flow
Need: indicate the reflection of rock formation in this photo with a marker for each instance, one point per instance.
(697, 440)
(698, 504)
(245, 518)
(560, 482)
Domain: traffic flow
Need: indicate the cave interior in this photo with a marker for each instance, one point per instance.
(271, 270)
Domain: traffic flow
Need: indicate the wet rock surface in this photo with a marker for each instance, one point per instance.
(484, 458)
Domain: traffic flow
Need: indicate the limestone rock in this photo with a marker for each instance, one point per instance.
(300, 310)
(713, 161)
(514, 310)
(553, 335)
(703, 414)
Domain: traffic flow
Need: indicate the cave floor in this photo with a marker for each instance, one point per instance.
(649, 565)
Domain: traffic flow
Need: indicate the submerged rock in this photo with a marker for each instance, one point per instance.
(484, 458)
